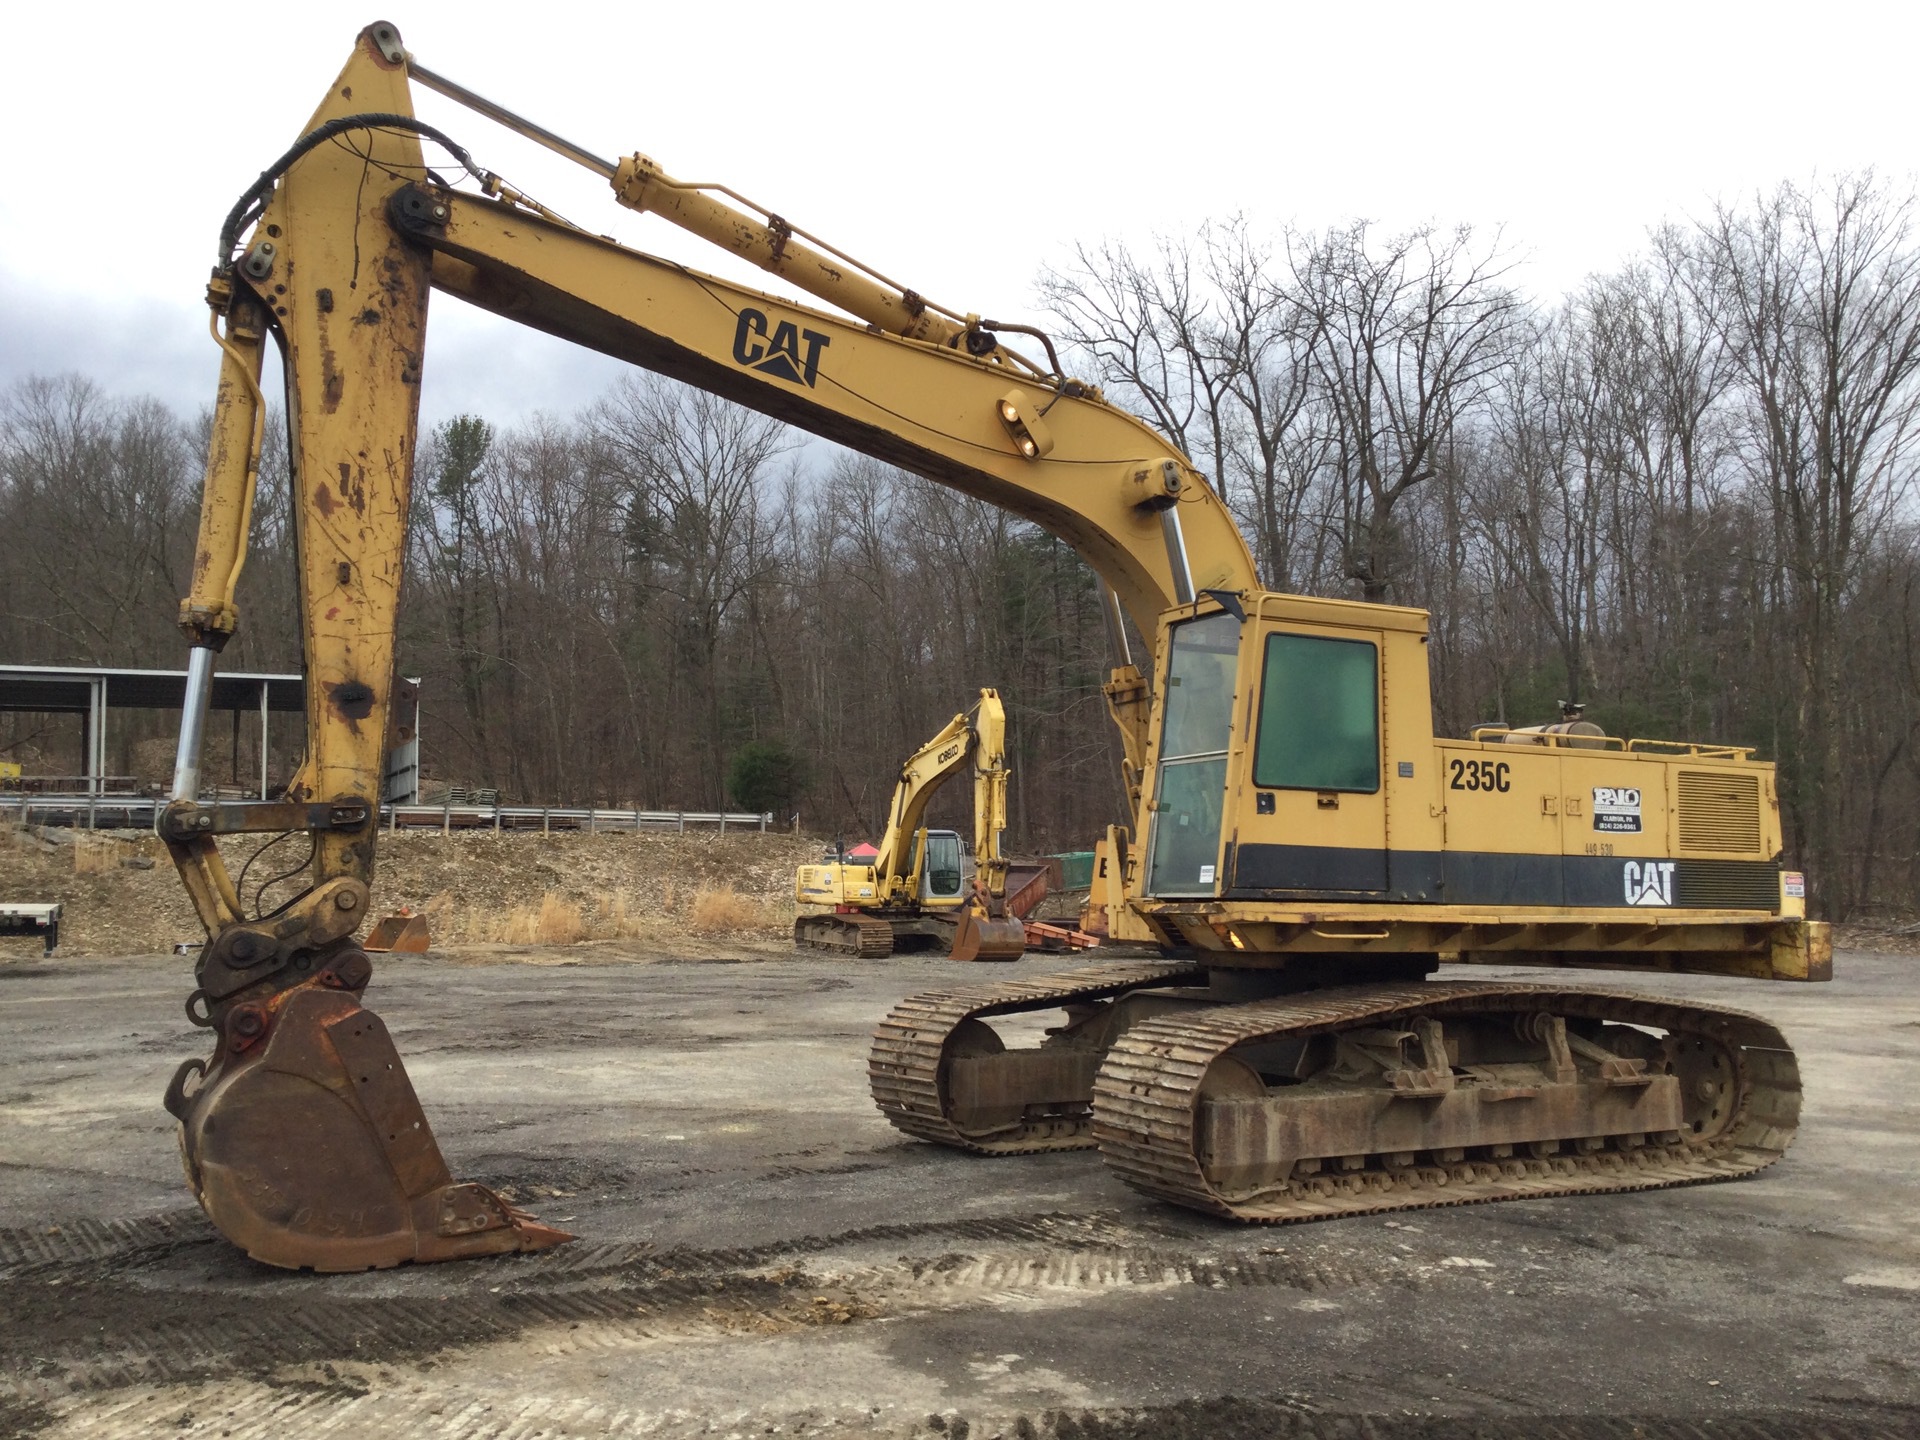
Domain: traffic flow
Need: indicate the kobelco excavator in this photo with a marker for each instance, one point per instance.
(1304, 853)
(914, 894)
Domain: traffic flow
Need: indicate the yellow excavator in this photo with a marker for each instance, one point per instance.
(1304, 853)
(914, 895)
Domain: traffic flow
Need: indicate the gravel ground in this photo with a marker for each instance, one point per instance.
(760, 1254)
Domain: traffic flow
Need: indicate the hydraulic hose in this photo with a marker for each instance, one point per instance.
(246, 209)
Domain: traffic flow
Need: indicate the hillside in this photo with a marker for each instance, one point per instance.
(122, 897)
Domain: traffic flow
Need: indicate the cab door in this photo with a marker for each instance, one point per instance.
(941, 878)
(1190, 780)
(1317, 822)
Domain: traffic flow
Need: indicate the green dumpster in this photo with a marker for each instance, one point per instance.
(1076, 869)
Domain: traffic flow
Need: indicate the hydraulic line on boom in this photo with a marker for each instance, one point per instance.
(1303, 850)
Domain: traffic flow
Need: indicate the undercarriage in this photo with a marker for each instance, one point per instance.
(1347, 1099)
(958, 934)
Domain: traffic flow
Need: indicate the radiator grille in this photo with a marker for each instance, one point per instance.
(1719, 812)
(1727, 885)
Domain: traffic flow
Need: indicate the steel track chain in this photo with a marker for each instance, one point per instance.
(903, 1068)
(1146, 1103)
(860, 936)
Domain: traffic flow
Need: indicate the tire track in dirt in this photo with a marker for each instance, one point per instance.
(106, 1245)
(26, 1248)
(350, 1405)
(139, 1338)
(107, 1306)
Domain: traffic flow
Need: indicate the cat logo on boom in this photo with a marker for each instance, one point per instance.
(789, 352)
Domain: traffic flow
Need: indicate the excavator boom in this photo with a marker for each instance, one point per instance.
(985, 930)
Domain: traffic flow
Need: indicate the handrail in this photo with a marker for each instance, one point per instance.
(1694, 748)
(1556, 740)
(1546, 739)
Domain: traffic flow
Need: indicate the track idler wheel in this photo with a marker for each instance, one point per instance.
(307, 1147)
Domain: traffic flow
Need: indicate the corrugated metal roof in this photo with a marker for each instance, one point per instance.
(68, 688)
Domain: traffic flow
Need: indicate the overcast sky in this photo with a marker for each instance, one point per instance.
(957, 147)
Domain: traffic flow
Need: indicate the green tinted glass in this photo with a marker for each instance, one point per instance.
(1186, 828)
(1184, 849)
(1319, 715)
(1200, 687)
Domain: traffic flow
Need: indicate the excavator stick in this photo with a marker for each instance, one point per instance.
(302, 1137)
(364, 1186)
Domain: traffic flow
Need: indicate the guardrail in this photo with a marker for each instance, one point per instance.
(547, 819)
(84, 812)
(136, 812)
(80, 785)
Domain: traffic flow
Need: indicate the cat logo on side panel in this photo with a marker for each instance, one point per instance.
(1649, 882)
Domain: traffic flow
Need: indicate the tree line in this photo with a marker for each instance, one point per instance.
(1681, 495)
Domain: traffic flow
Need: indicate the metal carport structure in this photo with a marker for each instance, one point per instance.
(92, 693)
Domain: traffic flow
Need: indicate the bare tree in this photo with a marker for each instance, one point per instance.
(693, 466)
(1406, 336)
(1817, 298)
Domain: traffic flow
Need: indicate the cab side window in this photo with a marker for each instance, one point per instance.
(1319, 715)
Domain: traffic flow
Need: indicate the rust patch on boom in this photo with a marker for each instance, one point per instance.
(353, 486)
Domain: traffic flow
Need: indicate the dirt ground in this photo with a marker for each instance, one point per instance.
(467, 883)
(760, 1254)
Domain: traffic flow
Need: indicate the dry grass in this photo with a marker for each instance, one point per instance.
(628, 889)
(96, 854)
(615, 916)
(556, 920)
(612, 914)
(725, 911)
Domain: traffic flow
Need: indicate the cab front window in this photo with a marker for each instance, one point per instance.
(943, 865)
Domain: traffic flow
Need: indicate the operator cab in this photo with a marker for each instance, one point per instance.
(1277, 718)
(943, 876)
(1294, 759)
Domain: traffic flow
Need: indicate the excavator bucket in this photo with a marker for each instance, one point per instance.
(306, 1145)
(404, 932)
(985, 937)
